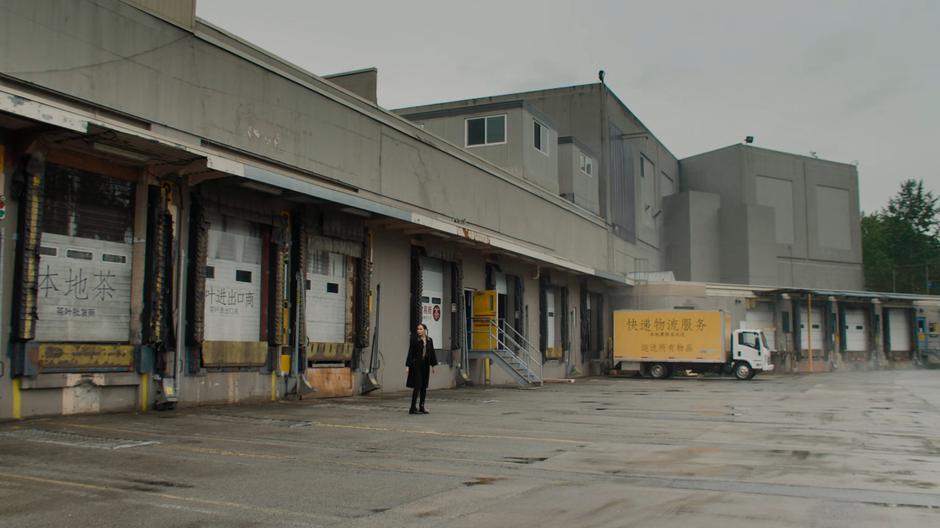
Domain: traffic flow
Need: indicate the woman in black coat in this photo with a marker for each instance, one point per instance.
(419, 365)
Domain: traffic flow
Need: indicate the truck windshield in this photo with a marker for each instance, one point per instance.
(749, 339)
(763, 339)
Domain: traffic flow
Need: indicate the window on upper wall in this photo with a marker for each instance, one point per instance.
(586, 164)
(540, 137)
(489, 130)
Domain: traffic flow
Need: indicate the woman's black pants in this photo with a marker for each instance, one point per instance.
(415, 393)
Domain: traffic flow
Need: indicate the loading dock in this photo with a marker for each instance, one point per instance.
(898, 333)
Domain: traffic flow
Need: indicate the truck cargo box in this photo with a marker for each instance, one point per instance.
(686, 336)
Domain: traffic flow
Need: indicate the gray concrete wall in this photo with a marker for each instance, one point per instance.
(747, 247)
(539, 168)
(585, 112)
(506, 155)
(644, 144)
(815, 274)
(760, 246)
(705, 255)
(815, 218)
(691, 236)
(733, 243)
(179, 12)
(574, 184)
(517, 155)
(677, 232)
(718, 172)
(392, 261)
(228, 387)
(193, 86)
(567, 167)
(363, 83)
(768, 177)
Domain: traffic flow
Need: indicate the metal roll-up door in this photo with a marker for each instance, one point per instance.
(233, 279)
(326, 297)
(856, 330)
(550, 318)
(432, 298)
(818, 330)
(900, 329)
(85, 258)
(761, 317)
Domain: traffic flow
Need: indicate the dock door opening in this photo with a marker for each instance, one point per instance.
(85, 257)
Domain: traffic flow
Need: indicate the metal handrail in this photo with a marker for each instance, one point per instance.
(530, 355)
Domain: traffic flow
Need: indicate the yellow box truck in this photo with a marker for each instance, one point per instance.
(660, 343)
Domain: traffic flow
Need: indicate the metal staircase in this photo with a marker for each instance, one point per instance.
(497, 340)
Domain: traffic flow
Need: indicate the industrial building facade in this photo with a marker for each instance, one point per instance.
(191, 219)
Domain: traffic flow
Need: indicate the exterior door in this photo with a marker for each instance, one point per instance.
(85, 258)
(325, 300)
(921, 333)
(432, 298)
(761, 317)
(856, 330)
(818, 329)
(233, 280)
(484, 320)
(900, 329)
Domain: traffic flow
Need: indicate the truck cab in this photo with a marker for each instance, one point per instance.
(750, 353)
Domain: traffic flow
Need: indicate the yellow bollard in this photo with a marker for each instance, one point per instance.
(273, 385)
(144, 392)
(17, 402)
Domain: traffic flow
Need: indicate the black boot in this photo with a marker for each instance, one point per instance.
(412, 411)
(421, 409)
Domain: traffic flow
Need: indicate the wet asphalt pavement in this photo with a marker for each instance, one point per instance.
(858, 449)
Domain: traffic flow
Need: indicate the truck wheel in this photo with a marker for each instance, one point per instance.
(742, 371)
(658, 371)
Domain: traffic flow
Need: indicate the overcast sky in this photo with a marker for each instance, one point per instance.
(853, 81)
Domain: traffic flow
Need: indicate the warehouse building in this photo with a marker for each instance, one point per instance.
(192, 220)
(222, 226)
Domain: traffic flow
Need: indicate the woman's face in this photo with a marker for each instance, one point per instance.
(420, 330)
